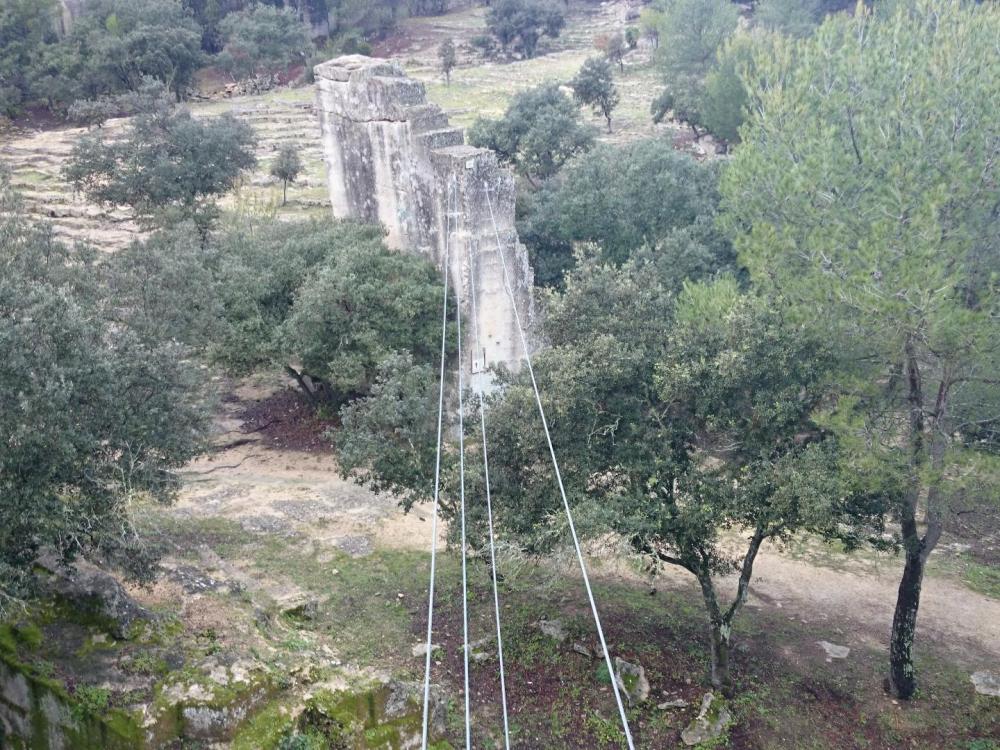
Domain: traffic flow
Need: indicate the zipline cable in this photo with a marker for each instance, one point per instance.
(489, 516)
(437, 488)
(562, 489)
(461, 474)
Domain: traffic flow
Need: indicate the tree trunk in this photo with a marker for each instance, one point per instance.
(719, 630)
(902, 679)
(722, 679)
(309, 393)
(284, 192)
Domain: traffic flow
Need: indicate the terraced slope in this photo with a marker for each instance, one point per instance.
(36, 159)
(478, 87)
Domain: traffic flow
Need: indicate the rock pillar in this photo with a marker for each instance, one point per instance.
(392, 157)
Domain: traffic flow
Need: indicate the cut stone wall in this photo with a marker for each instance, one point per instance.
(392, 157)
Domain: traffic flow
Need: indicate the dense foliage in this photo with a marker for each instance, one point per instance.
(674, 424)
(167, 167)
(325, 300)
(690, 33)
(540, 131)
(522, 23)
(793, 17)
(262, 38)
(643, 196)
(672, 421)
(594, 86)
(865, 194)
(114, 45)
(25, 27)
(94, 412)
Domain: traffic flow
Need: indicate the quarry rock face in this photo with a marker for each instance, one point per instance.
(392, 157)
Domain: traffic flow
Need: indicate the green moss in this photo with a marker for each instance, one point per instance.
(90, 700)
(603, 674)
(82, 721)
(8, 640)
(357, 721)
(30, 635)
(22, 635)
(265, 729)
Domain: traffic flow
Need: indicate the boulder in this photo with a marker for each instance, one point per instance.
(420, 649)
(675, 703)
(833, 651)
(632, 680)
(713, 719)
(408, 697)
(95, 592)
(986, 683)
(554, 629)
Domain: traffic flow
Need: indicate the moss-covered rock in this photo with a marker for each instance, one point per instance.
(199, 706)
(36, 712)
(379, 717)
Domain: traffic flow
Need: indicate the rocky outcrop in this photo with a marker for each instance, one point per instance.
(392, 157)
(70, 10)
(94, 592)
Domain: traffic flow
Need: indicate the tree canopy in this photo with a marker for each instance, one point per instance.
(327, 301)
(262, 37)
(865, 194)
(25, 26)
(116, 44)
(691, 33)
(673, 419)
(446, 54)
(793, 17)
(168, 166)
(623, 199)
(95, 412)
(524, 22)
(287, 166)
(594, 85)
(538, 133)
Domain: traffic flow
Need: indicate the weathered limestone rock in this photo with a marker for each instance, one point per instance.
(833, 651)
(96, 592)
(36, 712)
(713, 719)
(632, 680)
(392, 157)
(672, 703)
(554, 629)
(986, 683)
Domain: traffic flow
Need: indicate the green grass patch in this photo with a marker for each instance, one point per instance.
(982, 578)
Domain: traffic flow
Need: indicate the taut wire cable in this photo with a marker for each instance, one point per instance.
(461, 474)
(489, 516)
(437, 489)
(559, 481)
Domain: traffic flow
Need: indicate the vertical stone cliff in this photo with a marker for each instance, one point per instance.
(392, 157)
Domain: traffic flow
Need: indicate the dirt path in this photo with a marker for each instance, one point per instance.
(301, 494)
(966, 623)
(289, 492)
